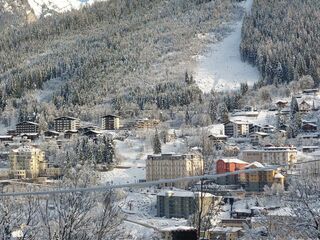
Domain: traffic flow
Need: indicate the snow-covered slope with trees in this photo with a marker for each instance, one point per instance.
(57, 5)
(221, 68)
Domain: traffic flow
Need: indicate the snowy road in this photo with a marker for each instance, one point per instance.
(221, 68)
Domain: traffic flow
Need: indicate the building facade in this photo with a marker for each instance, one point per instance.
(26, 162)
(182, 204)
(229, 165)
(257, 180)
(237, 128)
(272, 155)
(110, 122)
(170, 166)
(62, 124)
(27, 127)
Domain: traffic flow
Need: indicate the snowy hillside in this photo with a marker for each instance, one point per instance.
(57, 5)
(221, 68)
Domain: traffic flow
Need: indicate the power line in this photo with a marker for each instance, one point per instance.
(145, 184)
(129, 185)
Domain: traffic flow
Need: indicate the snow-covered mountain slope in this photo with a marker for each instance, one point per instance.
(222, 68)
(38, 6)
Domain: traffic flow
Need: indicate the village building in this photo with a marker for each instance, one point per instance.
(257, 180)
(309, 127)
(271, 155)
(68, 134)
(257, 138)
(27, 127)
(51, 134)
(182, 204)
(179, 233)
(170, 166)
(237, 128)
(312, 92)
(110, 122)
(229, 165)
(6, 139)
(147, 123)
(281, 104)
(225, 233)
(26, 162)
(62, 124)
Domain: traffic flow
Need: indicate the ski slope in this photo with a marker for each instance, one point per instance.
(221, 68)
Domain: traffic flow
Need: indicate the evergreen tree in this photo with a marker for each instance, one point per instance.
(156, 143)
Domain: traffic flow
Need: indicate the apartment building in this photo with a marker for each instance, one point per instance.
(26, 162)
(29, 162)
(62, 124)
(147, 123)
(110, 122)
(257, 180)
(271, 155)
(182, 204)
(237, 128)
(169, 166)
(229, 165)
(27, 127)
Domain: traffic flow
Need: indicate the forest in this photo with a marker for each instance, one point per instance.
(281, 38)
(124, 56)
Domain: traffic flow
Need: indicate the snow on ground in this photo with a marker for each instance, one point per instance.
(57, 5)
(222, 69)
(133, 154)
(138, 205)
(264, 117)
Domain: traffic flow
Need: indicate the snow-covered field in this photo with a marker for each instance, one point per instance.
(221, 68)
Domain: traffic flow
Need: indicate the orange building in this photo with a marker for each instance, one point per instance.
(229, 165)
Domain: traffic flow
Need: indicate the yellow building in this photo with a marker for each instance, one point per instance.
(257, 180)
(170, 166)
(271, 155)
(26, 162)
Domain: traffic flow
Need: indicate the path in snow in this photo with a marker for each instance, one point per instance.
(222, 69)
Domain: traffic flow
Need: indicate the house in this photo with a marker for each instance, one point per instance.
(254, 128)
(110, 122)
(170, 166)
(179, 233)
(182, 204)
(281, 104)
(147, 123)
(6, 139)
(225, 233)
(268, 128)
(271, 155)
(30, 136)
(51, 134)
(309, 149)
(258, 137)
(27, 127)
(256, 181)
(304, 106)
(309, 127)
(68, 134)
(237, 128)
(93, 134)
(62, 124)
(229, 165)
(312, 92)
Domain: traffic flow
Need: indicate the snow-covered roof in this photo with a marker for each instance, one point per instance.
(176, 193)
(260, 133)
(278, 175)
(225, 229)
(285, 212)
(233, 160)
(178, 228)
(256, 164)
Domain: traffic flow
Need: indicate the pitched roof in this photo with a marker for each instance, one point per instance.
(233, 160)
